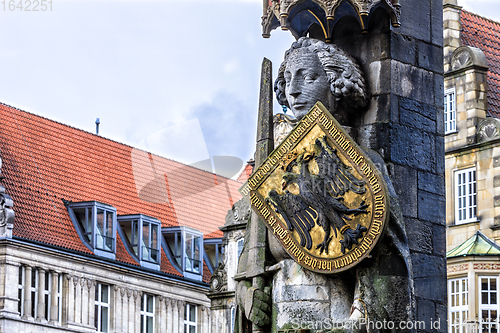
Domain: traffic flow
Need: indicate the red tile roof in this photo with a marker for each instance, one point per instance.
(245, 174)
(484, 34)
(45, 162)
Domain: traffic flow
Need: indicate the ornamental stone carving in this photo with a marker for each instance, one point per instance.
(466, 56)
(276, 13)
(488, 129)
(218, 281)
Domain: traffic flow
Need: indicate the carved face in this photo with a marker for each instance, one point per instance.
(306, 83)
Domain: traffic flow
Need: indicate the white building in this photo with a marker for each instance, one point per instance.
(106, 238)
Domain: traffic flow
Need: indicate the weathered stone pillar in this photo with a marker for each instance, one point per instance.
(117, 309)
(78, 299)
(10, 280)
(68, 310)
(54, 308)
(40, 316)
(160, 316)
(92, 285)
(169, 318)
(27, 292)
(124, 308)
(205, 311)
(130, 309)
(181, 305)
(175, 315)
(137, 311)
(85, 301)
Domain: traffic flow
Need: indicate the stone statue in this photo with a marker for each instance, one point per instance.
(295, 298)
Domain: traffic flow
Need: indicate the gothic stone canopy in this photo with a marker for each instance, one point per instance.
(303, 16)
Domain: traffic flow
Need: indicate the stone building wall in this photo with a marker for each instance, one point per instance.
(80, 278)
(404, 124)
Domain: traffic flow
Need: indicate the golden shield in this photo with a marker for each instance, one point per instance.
(320, 195)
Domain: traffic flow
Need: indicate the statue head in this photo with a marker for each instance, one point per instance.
(316, 71)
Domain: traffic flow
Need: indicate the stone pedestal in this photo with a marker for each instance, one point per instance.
(302, 297)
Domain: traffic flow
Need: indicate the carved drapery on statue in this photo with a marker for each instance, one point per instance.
(299, 16)
(320, 195)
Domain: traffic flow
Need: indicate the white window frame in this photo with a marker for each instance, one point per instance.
(99, 306)
(450, 111)
(59, 298)
(486, 327)
(465, 181)
(145, 314)
(47, 294)
(34, 292)
(20, 287)
(458, 304)
(189, 323)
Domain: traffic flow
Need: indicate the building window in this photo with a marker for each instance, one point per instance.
(458, 304)
(239, 248)
(142, 233)
(488, 304)
(20, 291)
(101, 319)
(213, 252)
(34, 293)
(96, 224)
(147, 313)
(450, 113)
(185, 245)
(233, 318)
(47, 293)
(465, 196)
(59, 298)
(190, 316)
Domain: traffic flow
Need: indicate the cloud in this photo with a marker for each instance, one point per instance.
(183, 142)
(227, 123)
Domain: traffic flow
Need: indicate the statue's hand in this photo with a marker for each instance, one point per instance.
(258, 306)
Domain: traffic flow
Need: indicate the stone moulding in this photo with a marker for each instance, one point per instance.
(322, 12)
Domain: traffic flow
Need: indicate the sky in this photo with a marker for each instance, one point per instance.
(177, 78)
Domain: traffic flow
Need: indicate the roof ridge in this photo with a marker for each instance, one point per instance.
(120, 143)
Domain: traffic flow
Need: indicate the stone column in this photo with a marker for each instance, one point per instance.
(40, 316)
(78, 299)
(27, 292)
(85, 301)
(205, 313)
(180, 305)
(54, 308)
(160, 315)
(69, 299)
(175, 315)
(117, 309)
(124, 309)
(91, 306)
(169, 318)
(10, 281)
(137, 311)
(130, 324)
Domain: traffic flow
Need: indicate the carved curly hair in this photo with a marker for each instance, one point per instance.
(344, 74)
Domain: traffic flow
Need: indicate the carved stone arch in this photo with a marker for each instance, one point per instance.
(488, 129)
(468, 56)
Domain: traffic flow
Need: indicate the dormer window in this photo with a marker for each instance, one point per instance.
(213, 252)
(186, 248)
(96, 224)
(143, 235)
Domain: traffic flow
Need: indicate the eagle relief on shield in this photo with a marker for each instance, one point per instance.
(320, 195)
